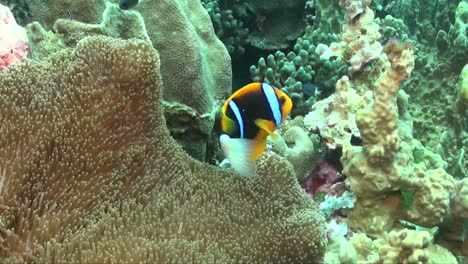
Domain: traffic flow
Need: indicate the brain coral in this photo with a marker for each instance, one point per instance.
(89, 173)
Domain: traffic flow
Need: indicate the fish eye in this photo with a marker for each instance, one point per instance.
(281, 100)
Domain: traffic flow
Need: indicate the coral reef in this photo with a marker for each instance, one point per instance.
(278, 22)
(229, 24)
(191, 76)
(298, 148)
(386, 162)
(90, 173)
(46, 12)
(437, 30)
(404, 246)
(14, 41)
(108, 113)
(297, 70)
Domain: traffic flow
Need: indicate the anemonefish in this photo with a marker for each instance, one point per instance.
(247, 118)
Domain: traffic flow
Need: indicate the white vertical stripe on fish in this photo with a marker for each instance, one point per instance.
(270, 94)
(238, 116)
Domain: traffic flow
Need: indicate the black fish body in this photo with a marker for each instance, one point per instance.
(247, 118)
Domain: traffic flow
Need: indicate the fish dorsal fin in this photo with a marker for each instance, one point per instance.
(240, 152)
(267, 126)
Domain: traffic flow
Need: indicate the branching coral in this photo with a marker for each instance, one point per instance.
(229, 25)
(89, 173)
(334, 118)
(386, 164)
(389, 161)
(294, 71)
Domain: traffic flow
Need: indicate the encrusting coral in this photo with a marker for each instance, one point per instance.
(404, 246)
(386, 164)
(89, 173)
(47, 12)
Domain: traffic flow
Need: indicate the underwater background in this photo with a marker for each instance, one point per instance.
(110, 119)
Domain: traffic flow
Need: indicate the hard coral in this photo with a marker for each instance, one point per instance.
(334, 118)
(387, 163)
(304, 65)
(90, 174)
(196, 72)
(361, 35)
(297, 147)
(46, 12)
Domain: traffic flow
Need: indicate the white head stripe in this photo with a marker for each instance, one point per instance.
(238, 116)
(270, 94)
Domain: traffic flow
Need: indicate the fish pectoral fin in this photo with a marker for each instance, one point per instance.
(228, 125)
(240, 152)
(266, 125)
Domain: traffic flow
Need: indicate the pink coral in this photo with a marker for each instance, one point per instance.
(13, 39)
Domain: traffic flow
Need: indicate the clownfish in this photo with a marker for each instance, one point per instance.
(247, 118)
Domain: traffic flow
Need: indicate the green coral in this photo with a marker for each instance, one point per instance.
(327, 22)
(407, 199)
(229, 24)
(296, 69)
(437, 30)
(46, 12)
(276, 23)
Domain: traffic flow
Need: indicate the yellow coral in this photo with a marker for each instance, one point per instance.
(385, 164)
